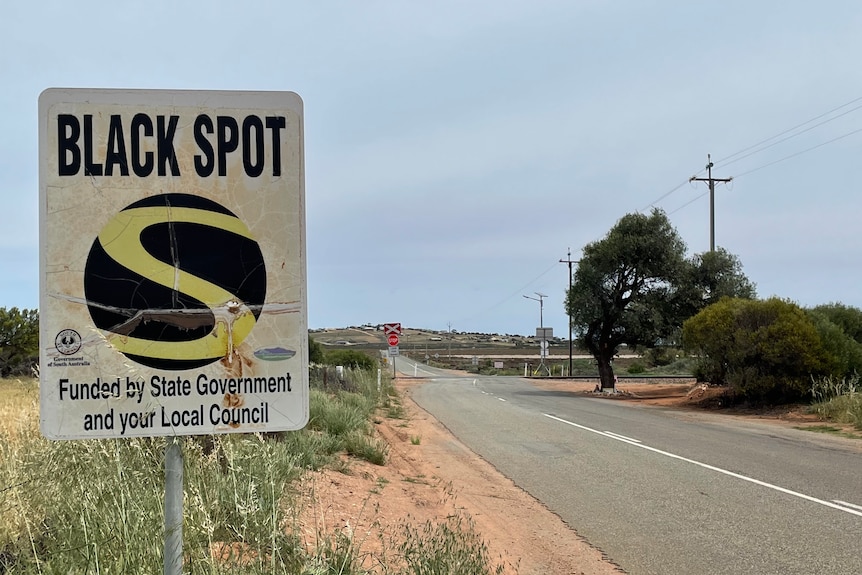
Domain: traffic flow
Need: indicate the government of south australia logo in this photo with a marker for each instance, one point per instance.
(68, 342)
(176, 280)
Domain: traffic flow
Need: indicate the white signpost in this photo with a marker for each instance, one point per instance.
(392, 331)
(172, 268)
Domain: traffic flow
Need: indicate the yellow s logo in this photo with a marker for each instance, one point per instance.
(176, 280)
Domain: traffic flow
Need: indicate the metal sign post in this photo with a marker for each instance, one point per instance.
(543, 334)
(392, 331)
(173, 558)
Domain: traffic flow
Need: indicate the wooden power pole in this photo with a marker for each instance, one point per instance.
(711, 181)
(570, 261)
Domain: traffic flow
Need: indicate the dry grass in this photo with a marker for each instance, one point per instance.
(19, 433)
(19, 408)
(97, 505)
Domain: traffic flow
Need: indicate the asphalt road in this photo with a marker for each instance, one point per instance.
(662, 491)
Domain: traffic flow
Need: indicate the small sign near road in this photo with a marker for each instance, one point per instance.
(391, 328)
(393, 340)
(544, 333)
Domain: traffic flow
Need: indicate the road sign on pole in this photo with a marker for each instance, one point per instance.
(393, 340)
(172, 263)
(391, 328)
(544, 333)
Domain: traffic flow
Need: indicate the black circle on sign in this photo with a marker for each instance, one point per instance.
(129, 304)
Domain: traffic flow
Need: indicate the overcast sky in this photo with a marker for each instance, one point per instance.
(455, 150)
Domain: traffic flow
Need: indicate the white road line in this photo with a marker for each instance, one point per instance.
(845, 504)
(713, 468)
(420, 370)
(622, 436)
(501, 399)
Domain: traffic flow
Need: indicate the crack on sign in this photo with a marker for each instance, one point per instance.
(235, 359)
(175, 254)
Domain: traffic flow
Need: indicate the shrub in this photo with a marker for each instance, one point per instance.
(844, 352)
(848, 318)
(350, 358)
(659, 356)
(636, 368)
(766, 350)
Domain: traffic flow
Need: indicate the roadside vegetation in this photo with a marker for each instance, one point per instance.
(838, 401)
(96, 506)
(636, 288)
(19, 341)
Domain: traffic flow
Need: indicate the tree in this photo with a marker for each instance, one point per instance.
(840, 329)
(767, 351)
(709, 277)
(718, 274)
(19, 340)
(848, 318)
(315, 351)
(627, 288)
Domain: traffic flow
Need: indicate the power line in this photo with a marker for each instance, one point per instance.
(688, 203)
(513, 294)
(808, 129)
(787, 131)
(820, 145)
(727, 160)
(666, 194)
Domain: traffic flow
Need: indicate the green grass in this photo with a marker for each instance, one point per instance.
(830, 429)
(448, 548)
(368, 448)
(96, 506)
(838, 401)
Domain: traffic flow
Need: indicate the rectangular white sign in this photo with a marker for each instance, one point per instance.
(544, 332)
(393, 350)
(172, 263)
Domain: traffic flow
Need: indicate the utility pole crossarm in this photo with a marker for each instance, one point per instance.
(711, 182)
